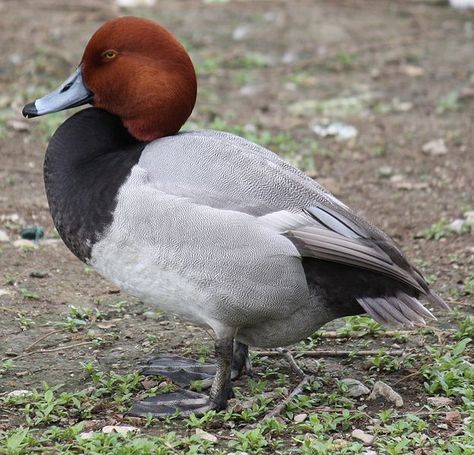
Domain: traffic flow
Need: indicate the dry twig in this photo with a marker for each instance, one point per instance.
(336, 353)
(46, 351)
(42, 338)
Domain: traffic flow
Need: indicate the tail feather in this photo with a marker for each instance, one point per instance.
(416, 306)
(411, 314)
(437, 301)
(401, 310)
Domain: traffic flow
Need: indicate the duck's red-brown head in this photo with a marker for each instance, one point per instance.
(136, 70)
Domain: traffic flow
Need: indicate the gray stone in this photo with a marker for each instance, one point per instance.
(4, 236)
(435, 147)
(364, 437)
(298, 418)
(457, 226)
(151, 315)
(469, 217)
(200, 433)
(439, 401)
(355, 388)
(382, 390)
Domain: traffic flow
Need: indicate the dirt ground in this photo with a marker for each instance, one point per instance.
(401, 72)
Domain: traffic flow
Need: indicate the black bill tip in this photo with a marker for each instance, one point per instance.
(29, 110)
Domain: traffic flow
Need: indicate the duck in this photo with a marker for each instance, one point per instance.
(205, 224)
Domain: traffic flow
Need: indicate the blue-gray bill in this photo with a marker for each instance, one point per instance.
(71, 93)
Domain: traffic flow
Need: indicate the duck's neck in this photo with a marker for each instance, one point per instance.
(88, 159)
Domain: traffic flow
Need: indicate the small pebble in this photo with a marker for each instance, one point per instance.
(412, 71)
(205, 435)
(355, 388)
(383, 390)
(339, 130)
(18, 125)
(121, 429)
(364, 437)
(435, 147)
(20, 374)
(38, 274)
(453, 417)
(134, 3)
(385, 172)
(151, 315)
(469, 217)
(32, 232)
(457, 226)
(439, 401)
(369, 452)
(240, 32)
(18, 393)
(86, 434)
(300, 417)
(4, 236)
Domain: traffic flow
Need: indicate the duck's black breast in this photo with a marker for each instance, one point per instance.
(88, 159)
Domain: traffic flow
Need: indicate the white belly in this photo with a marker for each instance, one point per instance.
(137, 272)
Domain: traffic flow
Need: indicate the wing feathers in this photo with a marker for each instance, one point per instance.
(343, 226)
(323, 244)
(323, 233)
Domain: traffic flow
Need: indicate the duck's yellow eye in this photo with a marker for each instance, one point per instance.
(109, 54)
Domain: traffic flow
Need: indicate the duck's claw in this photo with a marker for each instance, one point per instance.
(180, 370)
(183, 401)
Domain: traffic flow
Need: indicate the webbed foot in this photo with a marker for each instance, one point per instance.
(183, 401)
(180, 370)
(183, 371)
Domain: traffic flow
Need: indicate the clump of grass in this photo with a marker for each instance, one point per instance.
(451, 102)
(363, 325)
(79, 317)
(384, 362)
(437, 231)
(450, 373)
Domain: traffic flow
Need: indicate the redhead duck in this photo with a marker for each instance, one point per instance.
(206, 224)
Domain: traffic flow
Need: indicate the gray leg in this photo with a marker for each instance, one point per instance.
(221, 389)
(241, 360)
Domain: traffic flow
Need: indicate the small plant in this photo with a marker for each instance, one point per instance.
(200, 422)
(363, 325)
(345, 59)
(5, 366)
(385, 415)
(437, 231)
(10, 280)
(465, 325)
(468, 286)
(78, 318)
(251, 60)
(24, 321)
(449, 103)
(203, 352)
(16, 441)
(252, 441)
(451, 373)
(30, 295)
(385, 362)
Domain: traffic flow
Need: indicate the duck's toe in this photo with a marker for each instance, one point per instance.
(180, 370)
(184, 402)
